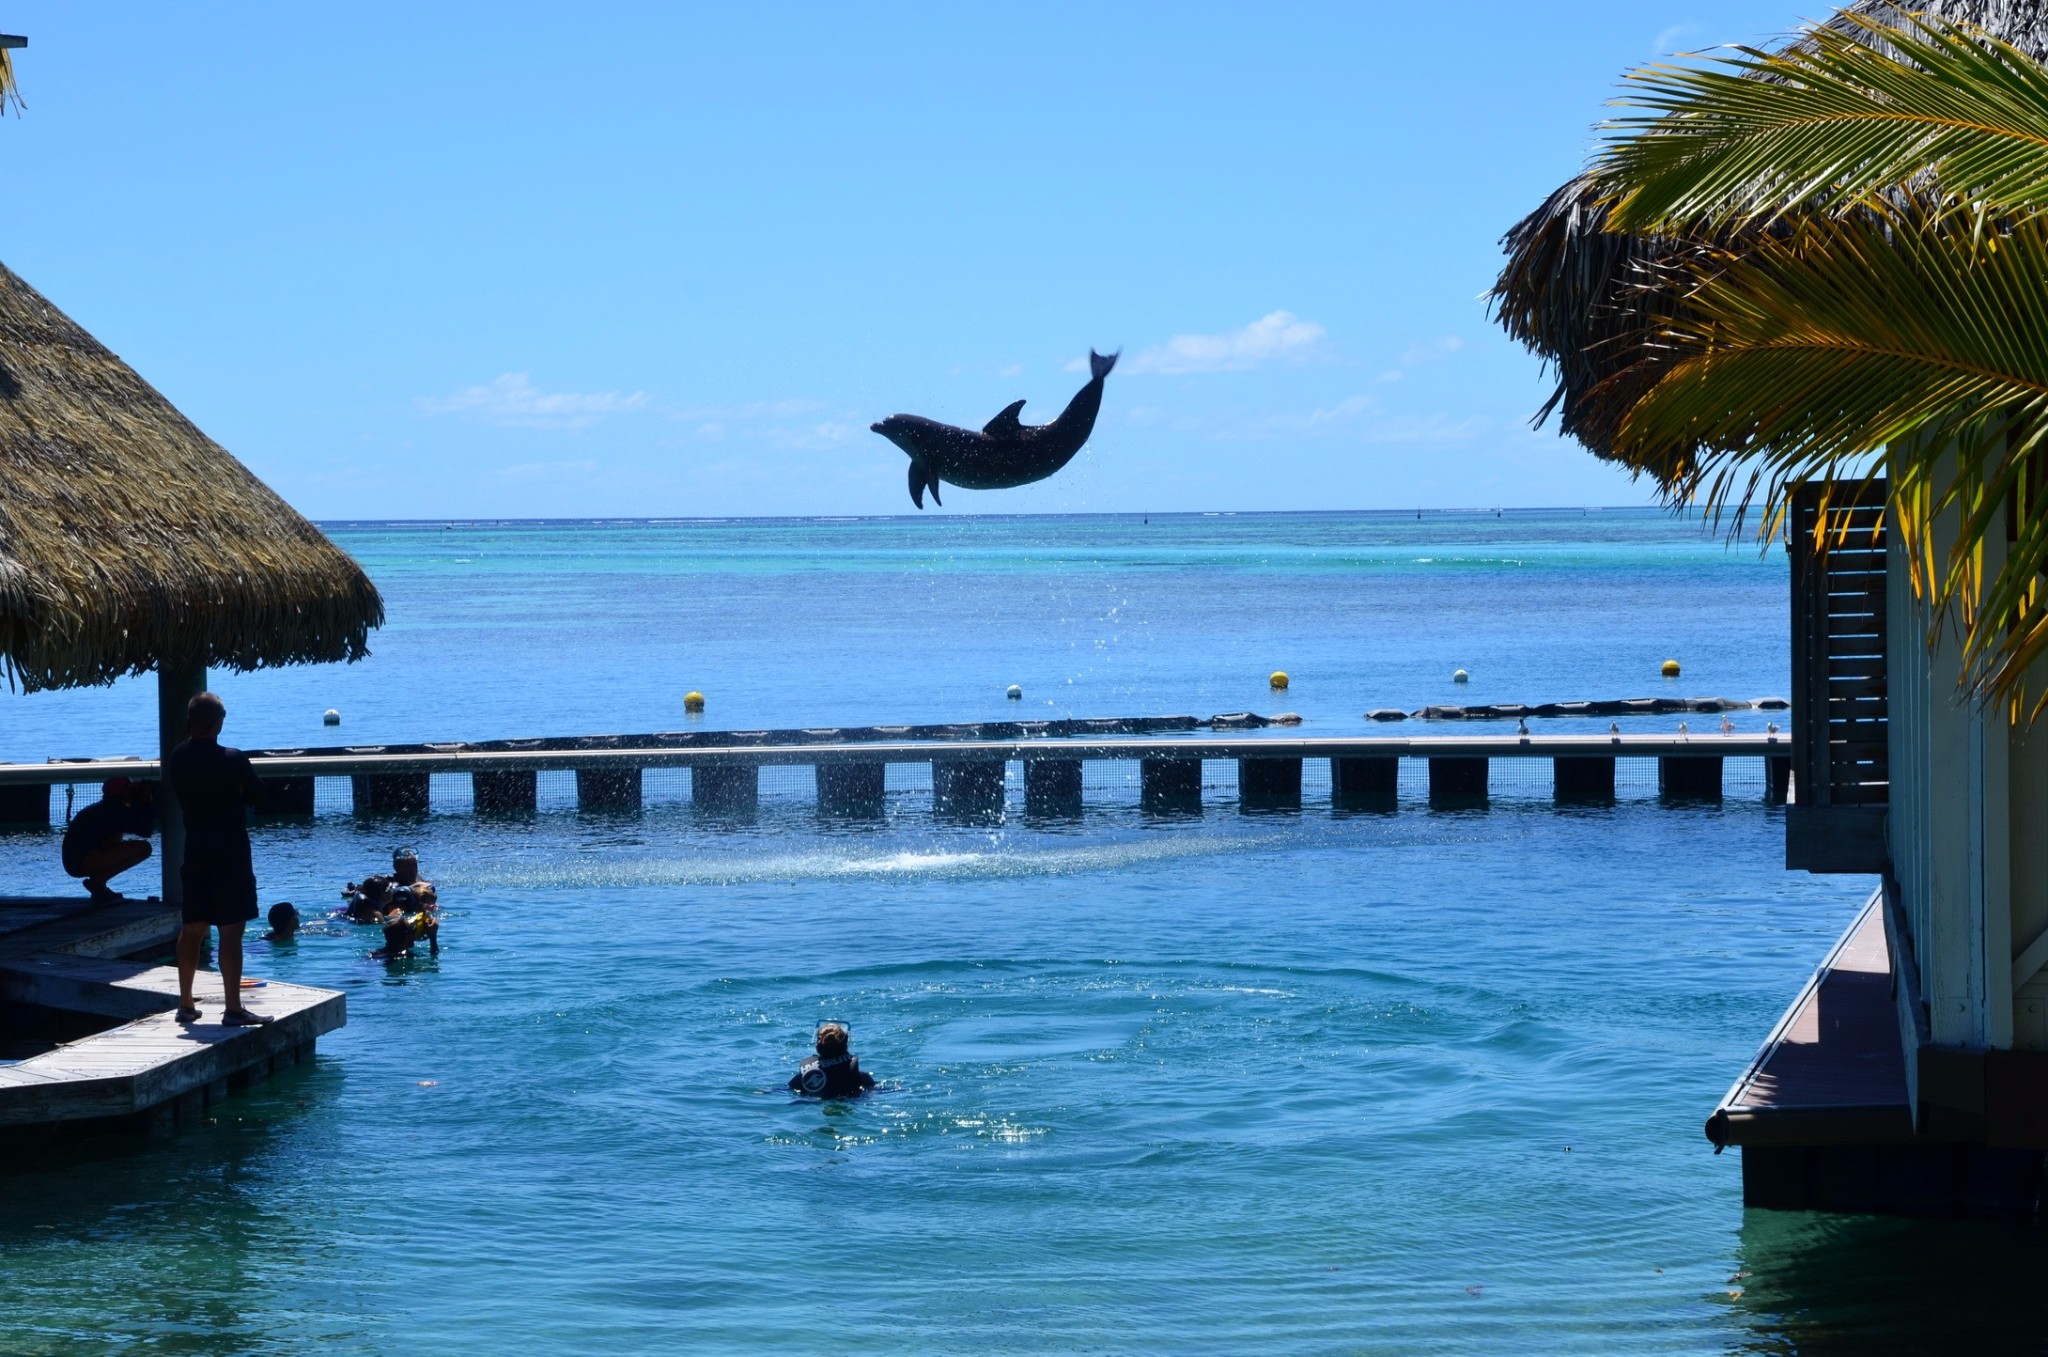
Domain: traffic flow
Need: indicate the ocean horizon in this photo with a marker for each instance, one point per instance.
(1287, 1083)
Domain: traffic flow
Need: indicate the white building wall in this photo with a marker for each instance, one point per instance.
(1968, 811)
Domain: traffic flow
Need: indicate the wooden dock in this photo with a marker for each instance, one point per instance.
(118, 1058)
(1825, 1119)
(1831, 1072)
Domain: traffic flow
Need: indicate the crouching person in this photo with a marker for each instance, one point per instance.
(96, 844)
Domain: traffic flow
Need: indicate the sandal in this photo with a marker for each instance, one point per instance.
(242, 1017)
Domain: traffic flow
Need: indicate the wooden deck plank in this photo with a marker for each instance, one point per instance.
(151, 1058)
(1832, 1071)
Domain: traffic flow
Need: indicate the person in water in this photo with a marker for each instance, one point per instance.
(834, 1072)
(404, 905)
(96, 843)
(404, 927)
(284, 922)
(378, 896)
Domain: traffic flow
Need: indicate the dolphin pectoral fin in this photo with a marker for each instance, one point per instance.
(933, 483)
(917, 484)
(1006, 423)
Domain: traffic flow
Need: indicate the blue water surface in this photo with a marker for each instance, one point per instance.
(522, 629)
(1315, 1082)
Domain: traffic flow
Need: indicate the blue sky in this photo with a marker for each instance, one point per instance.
(462, 259)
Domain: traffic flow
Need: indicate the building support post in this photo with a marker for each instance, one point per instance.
(176, 686)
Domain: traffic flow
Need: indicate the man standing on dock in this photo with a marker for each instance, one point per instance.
(213, 785)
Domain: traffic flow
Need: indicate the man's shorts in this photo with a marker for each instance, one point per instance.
(216, 895)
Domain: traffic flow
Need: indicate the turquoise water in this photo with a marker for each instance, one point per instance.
(526, 629)
(1275, 1083)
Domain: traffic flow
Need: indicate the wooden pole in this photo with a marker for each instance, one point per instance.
(176, 685)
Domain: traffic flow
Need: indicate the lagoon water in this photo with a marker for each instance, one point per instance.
(1294, 1083)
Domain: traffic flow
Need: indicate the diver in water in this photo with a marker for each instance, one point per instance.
(403, 927)
(834, 1072)
(378, 895)
(405, 906)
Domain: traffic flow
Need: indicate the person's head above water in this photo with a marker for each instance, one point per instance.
(284, 919)
(125, 790)
(833, 1039)
(204, 715)
(405, 866)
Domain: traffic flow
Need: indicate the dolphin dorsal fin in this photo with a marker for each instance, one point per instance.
(1006, 422)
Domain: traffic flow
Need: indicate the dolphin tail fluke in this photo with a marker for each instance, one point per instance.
(1099, 366)
(933, 484)
(917, 479)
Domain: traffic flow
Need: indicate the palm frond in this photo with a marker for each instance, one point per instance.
(1870, 345)
(1840, 122)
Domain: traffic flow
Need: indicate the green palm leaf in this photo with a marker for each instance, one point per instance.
(1875, 345)
(1838, 122)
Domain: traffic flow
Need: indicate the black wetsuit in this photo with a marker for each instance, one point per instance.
(109, 818)
(213, 784)
(838, 1076)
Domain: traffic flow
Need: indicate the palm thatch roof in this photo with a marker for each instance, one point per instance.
(130, 540)
(1588, 300)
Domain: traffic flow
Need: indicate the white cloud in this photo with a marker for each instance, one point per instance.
(1428, 429)
(546, 471)
(1418, 354)
(513, 401)
(1354, 419)
(1324, 419)
(1667, 42)
(1276, 335)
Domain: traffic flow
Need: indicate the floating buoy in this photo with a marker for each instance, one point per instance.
(1278, 678)
(693, 701)
(1014, 693)
(1460, 676)
(330, 717)
(1669, 669)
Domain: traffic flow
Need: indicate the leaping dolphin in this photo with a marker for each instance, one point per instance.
(1006, 453)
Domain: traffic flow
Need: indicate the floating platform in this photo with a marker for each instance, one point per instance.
(968, 766)
(112, 1054)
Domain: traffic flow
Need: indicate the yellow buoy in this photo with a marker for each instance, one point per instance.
(693, 701)
(1279, 678)
(1669, 669)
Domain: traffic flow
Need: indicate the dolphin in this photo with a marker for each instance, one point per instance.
(1007, 452)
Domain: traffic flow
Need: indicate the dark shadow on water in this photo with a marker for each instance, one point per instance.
(165, 1242)
(1871, 1285)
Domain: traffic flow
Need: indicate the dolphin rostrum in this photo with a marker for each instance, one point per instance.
(1007, 452)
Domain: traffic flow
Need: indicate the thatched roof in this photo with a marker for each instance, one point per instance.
(1584, 298)
(128, 537)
